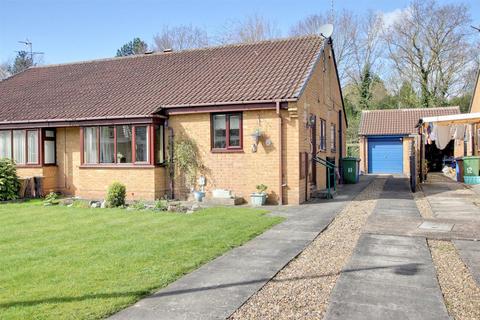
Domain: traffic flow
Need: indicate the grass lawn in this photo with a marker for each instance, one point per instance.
(73, 263)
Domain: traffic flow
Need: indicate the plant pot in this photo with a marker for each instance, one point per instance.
(258, 199)
(198, 195)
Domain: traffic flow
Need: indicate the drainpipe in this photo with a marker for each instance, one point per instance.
(280, 153)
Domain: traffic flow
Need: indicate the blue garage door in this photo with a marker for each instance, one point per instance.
(385, 155)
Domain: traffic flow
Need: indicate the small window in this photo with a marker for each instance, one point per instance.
(159, 145)
(5, 144)
(227, 131)
(141, 144)
(323, 135)
(333, 137)
(49, 146)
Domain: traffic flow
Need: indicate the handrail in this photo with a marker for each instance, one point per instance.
(330, 171)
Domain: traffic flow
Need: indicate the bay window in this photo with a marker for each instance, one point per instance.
(227, 131)
(107, 145)
(5, 144)
(141, 144)
(22, 146)
(123, 144)
(32, 147)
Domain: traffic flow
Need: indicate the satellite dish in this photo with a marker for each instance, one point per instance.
(326, 30)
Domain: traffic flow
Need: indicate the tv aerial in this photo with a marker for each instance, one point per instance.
(326, 30)
(30, 51)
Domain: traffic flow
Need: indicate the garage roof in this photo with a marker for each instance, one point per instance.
(398, 121)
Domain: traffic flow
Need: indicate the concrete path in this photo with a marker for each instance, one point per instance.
(217, 289)
(470, 253)
(389, 276)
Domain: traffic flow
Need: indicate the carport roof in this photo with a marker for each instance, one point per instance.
(398, 121)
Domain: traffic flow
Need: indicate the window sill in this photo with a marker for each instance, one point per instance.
(24, 166)
(118, 166)
(227, 151)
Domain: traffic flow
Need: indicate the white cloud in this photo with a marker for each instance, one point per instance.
(391, 17)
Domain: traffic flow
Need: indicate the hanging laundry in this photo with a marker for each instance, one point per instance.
(443, 136)
(433, 132)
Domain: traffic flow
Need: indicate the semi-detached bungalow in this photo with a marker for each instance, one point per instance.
(84, 125)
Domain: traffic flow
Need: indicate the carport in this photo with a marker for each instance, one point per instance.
(469, 121)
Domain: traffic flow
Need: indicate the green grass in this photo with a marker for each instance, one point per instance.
(74, 263)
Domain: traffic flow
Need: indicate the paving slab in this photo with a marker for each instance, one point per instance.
(470, 253)
(217, 289)
(389, 276)
(399, 284)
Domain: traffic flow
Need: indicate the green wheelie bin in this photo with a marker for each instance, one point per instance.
(350, 170)
(471, 166)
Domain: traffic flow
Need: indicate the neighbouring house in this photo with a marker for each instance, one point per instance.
(388, 137)
(84, 125)
(474, 147)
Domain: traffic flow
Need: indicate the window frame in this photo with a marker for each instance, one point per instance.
(151, 140)
(333, 137)
(45, 138)
(323, 135)
(227, 148)
(39, 160)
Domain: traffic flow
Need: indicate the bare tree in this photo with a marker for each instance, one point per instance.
(4, 71)
(344, 35)
(180, 38)
(252, 29)
(429, 47)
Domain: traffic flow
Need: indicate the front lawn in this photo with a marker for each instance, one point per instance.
(64, 263)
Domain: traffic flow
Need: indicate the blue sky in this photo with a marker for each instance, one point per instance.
(80, 30)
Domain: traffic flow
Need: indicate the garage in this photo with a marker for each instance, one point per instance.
(386, 137)
(385, 155)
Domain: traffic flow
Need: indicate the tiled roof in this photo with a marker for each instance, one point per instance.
(398, 121)
(141, 85)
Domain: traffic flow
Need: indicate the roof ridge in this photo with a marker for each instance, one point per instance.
(159, 53)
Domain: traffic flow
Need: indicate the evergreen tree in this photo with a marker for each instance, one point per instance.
(22, 61)
(136, 46)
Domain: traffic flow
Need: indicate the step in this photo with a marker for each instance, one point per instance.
(323, 194)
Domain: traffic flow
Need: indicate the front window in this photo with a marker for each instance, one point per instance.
(227, 131)
(122, 144)
(32, 140)
(333, 137)
(90, 145)
(107, 144)
(49, 148)
(19, 147)
(141, 144)
(5, 144)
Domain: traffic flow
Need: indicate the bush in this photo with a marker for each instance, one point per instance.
(138, 205)
(9, 183)
(51, 199)
(161, 204)
(261, 188)
(116, 195)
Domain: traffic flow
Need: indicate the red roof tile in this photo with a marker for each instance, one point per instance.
(141, 85)
(398, 121)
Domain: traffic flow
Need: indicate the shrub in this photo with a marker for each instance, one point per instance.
(261, 188)
(161, 205)
(138, 205)
(9, 183)
(51, 199)
(116, 195)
